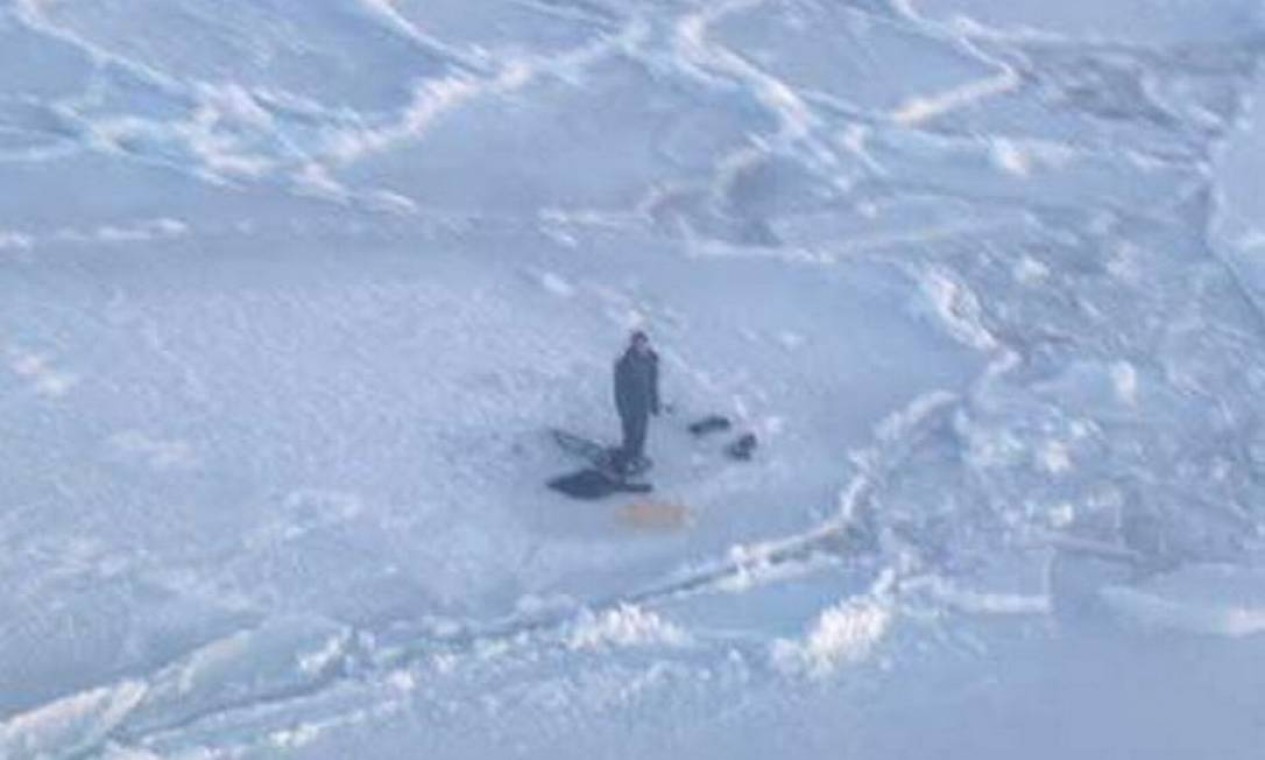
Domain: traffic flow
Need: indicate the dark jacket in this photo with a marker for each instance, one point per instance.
(637, 384)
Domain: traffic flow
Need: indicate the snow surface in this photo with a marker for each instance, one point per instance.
(291, 292)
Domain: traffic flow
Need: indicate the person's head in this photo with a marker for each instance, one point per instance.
(639, 341)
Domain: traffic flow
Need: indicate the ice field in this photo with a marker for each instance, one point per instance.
(292, 291)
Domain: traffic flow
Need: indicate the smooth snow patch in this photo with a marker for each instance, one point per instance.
(1125, 379)
(1029, 271)
(390, 15)
(28, 365)
(304, 511)
(956, 308)
(15, 241)
(557, 285)
(790, 340)
(296, 737)
(1055, 458)
(37, 369)
(1215, 600)
(1155, 611)
(1061, 515)
(314, 179)
(976, 602)
(916, 111)
(150, 229)
(110, 234)
(129, 753)
(158, 454)
(1010, 157)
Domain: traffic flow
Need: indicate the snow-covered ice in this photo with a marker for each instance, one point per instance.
(291, 293)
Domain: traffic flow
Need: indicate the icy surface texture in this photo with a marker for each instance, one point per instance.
(292, 291)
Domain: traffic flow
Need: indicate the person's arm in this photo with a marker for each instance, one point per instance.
(654, 385)
(618, 385)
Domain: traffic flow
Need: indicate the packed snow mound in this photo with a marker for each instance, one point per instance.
(843, 634)
(72, 725)
(626, 625)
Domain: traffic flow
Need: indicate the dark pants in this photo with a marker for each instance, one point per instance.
(634, 445)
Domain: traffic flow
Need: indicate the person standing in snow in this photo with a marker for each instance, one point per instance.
(636, 398)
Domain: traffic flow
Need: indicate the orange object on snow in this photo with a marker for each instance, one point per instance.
(655, 515)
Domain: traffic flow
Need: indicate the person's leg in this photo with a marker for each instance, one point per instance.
(636, 437)
(624, 454)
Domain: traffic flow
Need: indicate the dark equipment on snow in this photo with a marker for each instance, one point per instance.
(591, 483)
(743, 448)
(601, 477)
(601, 457)
(712, 423)
(585, 448)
